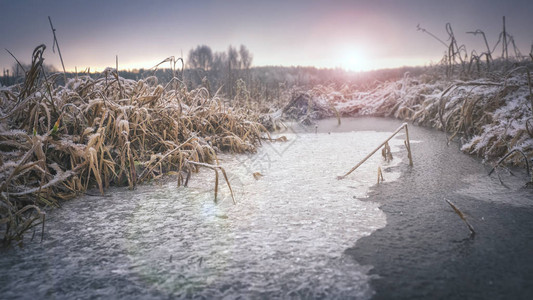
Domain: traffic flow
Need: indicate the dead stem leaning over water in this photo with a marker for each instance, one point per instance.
(462, 216)
(58, 141)
(384, 151)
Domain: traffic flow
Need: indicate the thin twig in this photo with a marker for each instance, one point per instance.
(509, 155)
(18, 62)
(56, 43)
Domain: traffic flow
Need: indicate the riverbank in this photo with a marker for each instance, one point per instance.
(296, 231)
(285, 238)
(426, 252)
(490, 115)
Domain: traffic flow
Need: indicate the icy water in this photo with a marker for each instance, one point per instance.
(285, 237)
(426, 251)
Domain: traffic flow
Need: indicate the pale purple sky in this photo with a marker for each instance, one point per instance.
(351, 34)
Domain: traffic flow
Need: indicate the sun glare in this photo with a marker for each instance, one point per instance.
(354, 59)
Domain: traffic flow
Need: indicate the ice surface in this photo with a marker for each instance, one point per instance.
(284, 238)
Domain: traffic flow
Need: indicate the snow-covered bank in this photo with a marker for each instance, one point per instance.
(489, 116)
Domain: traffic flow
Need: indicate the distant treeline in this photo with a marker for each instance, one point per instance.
(227, 72)
(266, 77)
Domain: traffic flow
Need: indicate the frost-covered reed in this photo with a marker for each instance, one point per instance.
(58, 141)
(490, 115)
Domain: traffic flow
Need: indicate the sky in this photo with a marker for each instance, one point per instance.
(355, 35)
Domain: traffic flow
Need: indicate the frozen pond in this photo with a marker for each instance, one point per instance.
(285, 237)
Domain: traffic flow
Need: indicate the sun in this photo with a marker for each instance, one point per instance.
(354, 59)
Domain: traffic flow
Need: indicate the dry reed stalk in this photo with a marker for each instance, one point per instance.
(462, 216)
(407, 144)
(336, 113)
(488, 52)
(380, 175)
(216, 168)
(386, 152)
(56, 43)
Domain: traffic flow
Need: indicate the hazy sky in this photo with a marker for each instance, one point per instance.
(351, 34)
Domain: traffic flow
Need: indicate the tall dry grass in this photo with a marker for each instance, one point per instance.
(56, 142)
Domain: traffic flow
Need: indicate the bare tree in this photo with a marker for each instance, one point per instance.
(219, 61)
(233, 64)
(220, 68)
(19, 69)
(233, 58)
(201, 58)
(246, 57)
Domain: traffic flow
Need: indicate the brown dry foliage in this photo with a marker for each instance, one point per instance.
(58, 141)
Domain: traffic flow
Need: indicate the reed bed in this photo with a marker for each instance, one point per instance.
(56, 142)
(490, 115)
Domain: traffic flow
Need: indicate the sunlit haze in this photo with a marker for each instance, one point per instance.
(353, 35)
